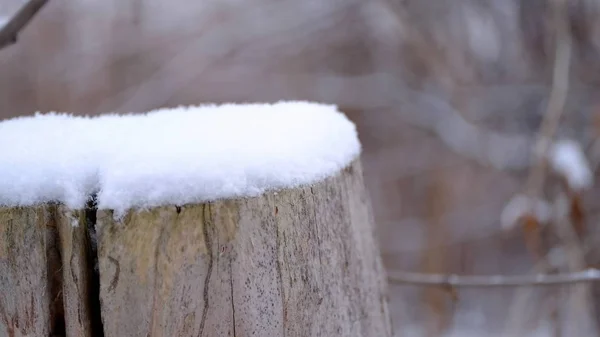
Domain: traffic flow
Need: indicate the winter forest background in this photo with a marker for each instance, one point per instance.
(439, 90)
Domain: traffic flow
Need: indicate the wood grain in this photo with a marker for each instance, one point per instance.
(76, 271)
(28, 281)
(300, 262)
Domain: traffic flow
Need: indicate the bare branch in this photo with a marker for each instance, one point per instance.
(419, 279)
(556, 105)
(558, 97)
(10, 30)
(579, 304)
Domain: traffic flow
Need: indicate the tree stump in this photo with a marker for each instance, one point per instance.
(181, 240)
(299, 262)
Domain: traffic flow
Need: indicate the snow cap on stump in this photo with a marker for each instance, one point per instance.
(172, 156)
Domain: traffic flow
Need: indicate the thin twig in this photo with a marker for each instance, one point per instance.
(10, 31)
(579, 305)
(419, 279)
(518, 311)
(557, 101)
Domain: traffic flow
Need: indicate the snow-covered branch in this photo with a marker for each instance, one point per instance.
(567, 159)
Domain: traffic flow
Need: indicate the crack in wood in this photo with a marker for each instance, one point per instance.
(207, 221)
(75, 280)
(115, 280)
(54, 273)
(317, 234)
(9, 237)
(93, 279)
(232, 300)
(6, 321)
(72, 270)
(159, 243)
(278, 267)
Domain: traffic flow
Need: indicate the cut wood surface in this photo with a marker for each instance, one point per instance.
(299, 262)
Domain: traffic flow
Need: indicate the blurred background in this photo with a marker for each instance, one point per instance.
(447, 96)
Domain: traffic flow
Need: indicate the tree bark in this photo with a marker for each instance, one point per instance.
(299, 262)
(29, 272)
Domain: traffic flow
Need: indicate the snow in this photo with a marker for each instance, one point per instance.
(567, 159)
(172, 156)
(520, 206)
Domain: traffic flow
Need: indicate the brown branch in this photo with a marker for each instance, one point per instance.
(578, 303)
(10, 30)
(518, 311)
(558, 97)
(419, 279)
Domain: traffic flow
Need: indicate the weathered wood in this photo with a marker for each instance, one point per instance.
(76, 271)
(300, 262)
(30, 275)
